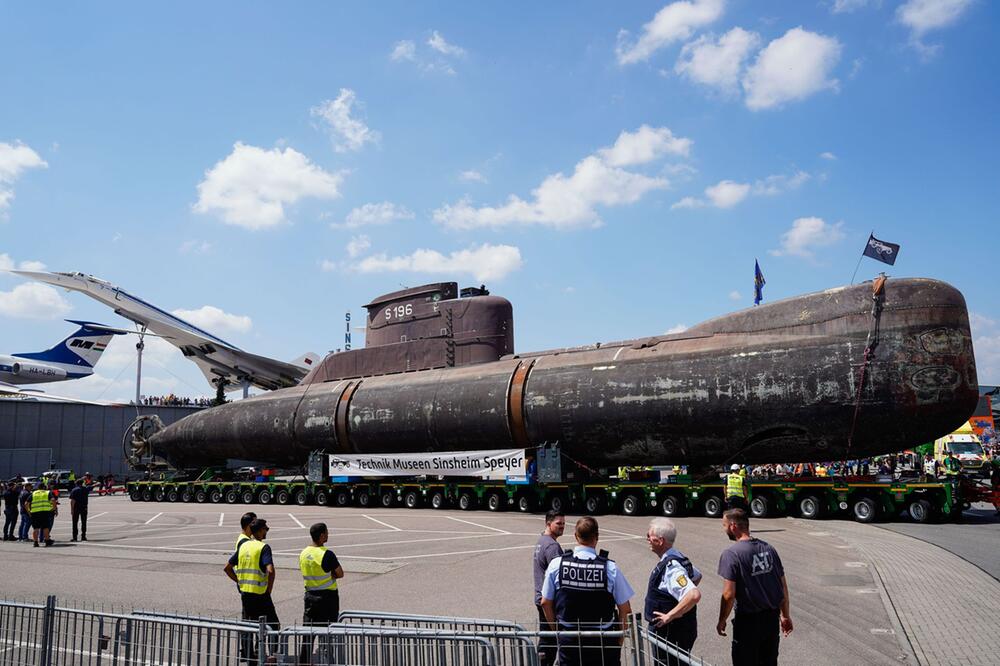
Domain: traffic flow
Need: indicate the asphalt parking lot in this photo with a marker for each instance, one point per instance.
(472, 564)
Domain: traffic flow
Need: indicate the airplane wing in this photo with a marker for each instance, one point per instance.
(216, 358)
(11, 391)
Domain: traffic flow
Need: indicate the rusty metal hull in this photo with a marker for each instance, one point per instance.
(780, 382)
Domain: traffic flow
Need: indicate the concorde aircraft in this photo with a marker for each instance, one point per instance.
(217, 359)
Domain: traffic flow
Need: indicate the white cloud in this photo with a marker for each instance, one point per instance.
(348, 133)
(780, 183)
(194, 246)
(644, 145)
(403, 50)
(727, 193)
(806, 235)
(679, 328)
(472, 176)
(372, 214)
(213, 319)
(717, 63)
(923, 16)
(438, 43)
(791, 68)
(8, 264)
(828, 156)
(357, 245)
(328, 266)
(565, 202)
(689, 202)
(735, 295)
(673, 23)
(485, 262)
(251, 186)
(15, 159)
(986, 344)
(33, 300)
(848, 6)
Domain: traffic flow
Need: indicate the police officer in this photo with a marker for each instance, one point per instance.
(41, 505)
(754, 579)
(79, 498)
(23, 502)
(320, 571)
(672, 595)
(546, 549)
(10, 501)
(582, 591)
(252, 568)
(736, 491)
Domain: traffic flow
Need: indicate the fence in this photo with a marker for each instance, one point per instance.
(51, 635)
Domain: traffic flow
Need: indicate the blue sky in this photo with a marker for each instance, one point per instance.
(611, 168)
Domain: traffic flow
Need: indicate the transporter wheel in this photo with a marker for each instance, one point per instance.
(200, 496)
(496, 502)
(160, 494)
(301, 497)
(713, 506)
(265, 497)
(411, 500)
(557, 503)
(342, 498)
(247, 496)
(594, 504)
(670, 506)
(810, 507)
(437, 500)
(187, 495)
(760, 507)
(364, 498)
(631, 505)
(865, 510)
(216, 496)
(465, 502)
(283, 497)
(920, 511)
(147, 494)
(173, 495)
(525, 504)
(387, 499)
(322, 497)
(232, 496)
(135, 495)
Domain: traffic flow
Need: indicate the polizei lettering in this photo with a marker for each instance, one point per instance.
(577, 575)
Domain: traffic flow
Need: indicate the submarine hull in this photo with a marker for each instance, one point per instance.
(844, 373)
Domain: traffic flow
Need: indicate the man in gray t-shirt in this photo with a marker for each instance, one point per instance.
(546, 549)
(754, 580)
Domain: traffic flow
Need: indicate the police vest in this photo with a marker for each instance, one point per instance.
(734, 485)
(40, 501)
(311, 566)
(663, 602)
(248, 574)
(582, 596)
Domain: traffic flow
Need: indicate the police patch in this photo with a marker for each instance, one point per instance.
(682, 581)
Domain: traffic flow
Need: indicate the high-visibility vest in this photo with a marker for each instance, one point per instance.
(311, 566)
(40, 501)
(734, 485)
(952, 466)
(248, 574)
(240, 539)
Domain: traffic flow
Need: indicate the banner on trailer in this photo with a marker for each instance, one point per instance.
(494, 464)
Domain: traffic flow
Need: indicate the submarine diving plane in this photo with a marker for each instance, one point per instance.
(217, 359)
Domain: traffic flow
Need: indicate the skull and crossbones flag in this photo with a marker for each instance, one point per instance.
(881, 250)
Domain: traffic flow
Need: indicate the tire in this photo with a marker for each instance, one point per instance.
(200, 496)
(342, 498)
(187, 496)
(173, 495)
(301, 497)
(437, 500)
(282, 497)
(465, 502)
(760, 506)
(593, 504)
(147, 494)
(247, 496)
(216, 496)
(265, 497)
(865, 510)
(232, 496)
(160, 495)
(631, 505)
(387, 499)
(525, 504)
(670, 506)
(920, 511)
(713, 506)
(135, 495)
(557, 503)
(810, 507)
(411, 500)
(496, 502)
(322, 497)
(364, 499)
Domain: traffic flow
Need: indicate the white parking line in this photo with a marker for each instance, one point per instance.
(485, 527)
(296, 521)
(375, 520)
(221, 516)
(154, 518)
(393, 543)
(97, 516)
(457, 552)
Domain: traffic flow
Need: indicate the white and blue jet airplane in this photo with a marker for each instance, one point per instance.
(217, 359)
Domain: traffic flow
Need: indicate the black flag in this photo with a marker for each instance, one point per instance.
(881, 250)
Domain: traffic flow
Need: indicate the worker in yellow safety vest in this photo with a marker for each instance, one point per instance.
(252, 568)
(952, 466)
(245, 521)
(40, 505)
(736, 488)
(320, 571)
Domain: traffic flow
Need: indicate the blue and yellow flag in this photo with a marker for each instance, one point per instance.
(758, 283)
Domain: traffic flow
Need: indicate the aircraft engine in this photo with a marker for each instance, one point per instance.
(38, 371)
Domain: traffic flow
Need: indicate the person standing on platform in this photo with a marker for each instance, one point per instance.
(79, 497)
(23, 503)
(320, 572)
(252, 568)
(11, 496)
(583, 591)
(754, 580)
(736, 487)
(546, 549)
(673, 594)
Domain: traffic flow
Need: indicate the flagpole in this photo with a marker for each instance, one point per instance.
(855, 274)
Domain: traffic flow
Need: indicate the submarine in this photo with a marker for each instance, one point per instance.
(849, 372)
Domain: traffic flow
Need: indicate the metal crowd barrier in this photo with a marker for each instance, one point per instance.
(48, 635)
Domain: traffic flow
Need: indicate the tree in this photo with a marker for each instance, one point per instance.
(220, 393)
